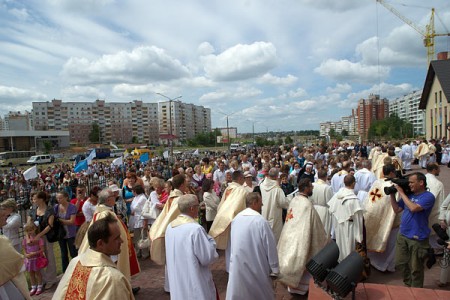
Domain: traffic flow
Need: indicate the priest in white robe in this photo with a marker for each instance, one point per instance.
(302, 237)
(337, 181)
(252, 245)
(436, 187)
(13, 284)
(232, 203)
(422, 153)
(364, 177)
(189, 253)
(348, 214)
(169, 213)
(382, 224)
(126, 260)
(407, 156)
(274, 201)
(93, 275)
(321, 195)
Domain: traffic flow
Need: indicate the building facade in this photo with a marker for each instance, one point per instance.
(368, 111)
(436, 99)
(182, 120)
(407, 108)
(346, 123)
(118, 122)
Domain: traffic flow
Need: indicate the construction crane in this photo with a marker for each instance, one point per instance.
(428, 33)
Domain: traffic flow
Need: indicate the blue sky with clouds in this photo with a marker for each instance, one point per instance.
(281, 64)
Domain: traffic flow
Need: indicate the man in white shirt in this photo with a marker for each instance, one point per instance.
(253, 245)
(189, 253)
(436, 187)
(219, 174)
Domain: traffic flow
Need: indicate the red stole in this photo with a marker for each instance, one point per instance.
(78, 283)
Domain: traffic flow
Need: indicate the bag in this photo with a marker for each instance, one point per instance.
(150, 211)
(143, 243)
(57, 232)
(41, 262)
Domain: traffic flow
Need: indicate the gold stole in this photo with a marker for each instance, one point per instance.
(78, 283)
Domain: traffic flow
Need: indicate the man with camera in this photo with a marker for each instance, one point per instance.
(412, 241)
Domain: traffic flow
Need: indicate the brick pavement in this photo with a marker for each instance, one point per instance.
(151, 279)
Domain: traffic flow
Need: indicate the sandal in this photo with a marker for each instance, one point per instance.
(33, 291)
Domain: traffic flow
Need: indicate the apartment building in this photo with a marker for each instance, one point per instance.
(182, 120)
(368, 111)
(407, 108)
(118, 122)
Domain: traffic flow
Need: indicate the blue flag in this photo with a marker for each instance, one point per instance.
(143, 158)
(82, 165)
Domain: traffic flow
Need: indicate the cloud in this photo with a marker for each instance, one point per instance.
(205, 48)
(14, 94)
(274, 80)
(345, 70)
(298, 93)
(142, 64)
(225, 96)
(241, 62)
(333, 5)
(21, 14)
(82, 92)
(340, 88)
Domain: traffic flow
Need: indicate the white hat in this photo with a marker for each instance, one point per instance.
(247, 174)
(114, 188)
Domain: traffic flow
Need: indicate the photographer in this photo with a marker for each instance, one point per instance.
(412, 241)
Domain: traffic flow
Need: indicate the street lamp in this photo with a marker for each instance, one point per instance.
(228, 128)
(170, 123)
(253, 130)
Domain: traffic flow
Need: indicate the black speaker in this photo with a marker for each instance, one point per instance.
(320, 265)
(342, 279)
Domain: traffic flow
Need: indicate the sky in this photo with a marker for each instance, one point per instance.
(276, 65)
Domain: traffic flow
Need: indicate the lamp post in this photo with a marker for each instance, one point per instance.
(253, 130)
(228, 128)
(170, 123)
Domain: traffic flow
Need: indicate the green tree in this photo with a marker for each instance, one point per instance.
(344, 132)
(288, 140)
(94, 135)
(135, 140)
(48, 146)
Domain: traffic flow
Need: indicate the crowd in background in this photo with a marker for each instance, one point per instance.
(60, 195)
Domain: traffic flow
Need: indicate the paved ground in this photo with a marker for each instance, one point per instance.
(151, 279)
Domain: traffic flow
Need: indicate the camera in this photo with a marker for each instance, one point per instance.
(402, 182)
(442, 235)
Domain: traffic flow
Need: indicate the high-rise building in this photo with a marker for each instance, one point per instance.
(407, 108)
(370, 110)
(182, 120)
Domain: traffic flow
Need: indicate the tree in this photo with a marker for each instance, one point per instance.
(48, 145)
(288, 140)
(391, 128)
(344, 132)
(94, 135)
(135, 140)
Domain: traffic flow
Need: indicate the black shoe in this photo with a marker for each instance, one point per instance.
(136, 290)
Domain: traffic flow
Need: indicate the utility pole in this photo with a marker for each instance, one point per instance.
(170, 124)
(228, 129)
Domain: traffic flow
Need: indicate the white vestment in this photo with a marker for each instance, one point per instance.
(337, 181)
(407, 156)
(364, 180)
(437, 189)
(104, 280)
(189, 252)
(348, 214)
(322, 193)
(444, 215)
(253, 246)
(274, 201)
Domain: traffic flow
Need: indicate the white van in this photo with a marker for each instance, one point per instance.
(40, 159)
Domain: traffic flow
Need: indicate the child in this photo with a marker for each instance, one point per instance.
(33, 250)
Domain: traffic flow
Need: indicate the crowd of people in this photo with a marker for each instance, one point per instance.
(270, 209)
